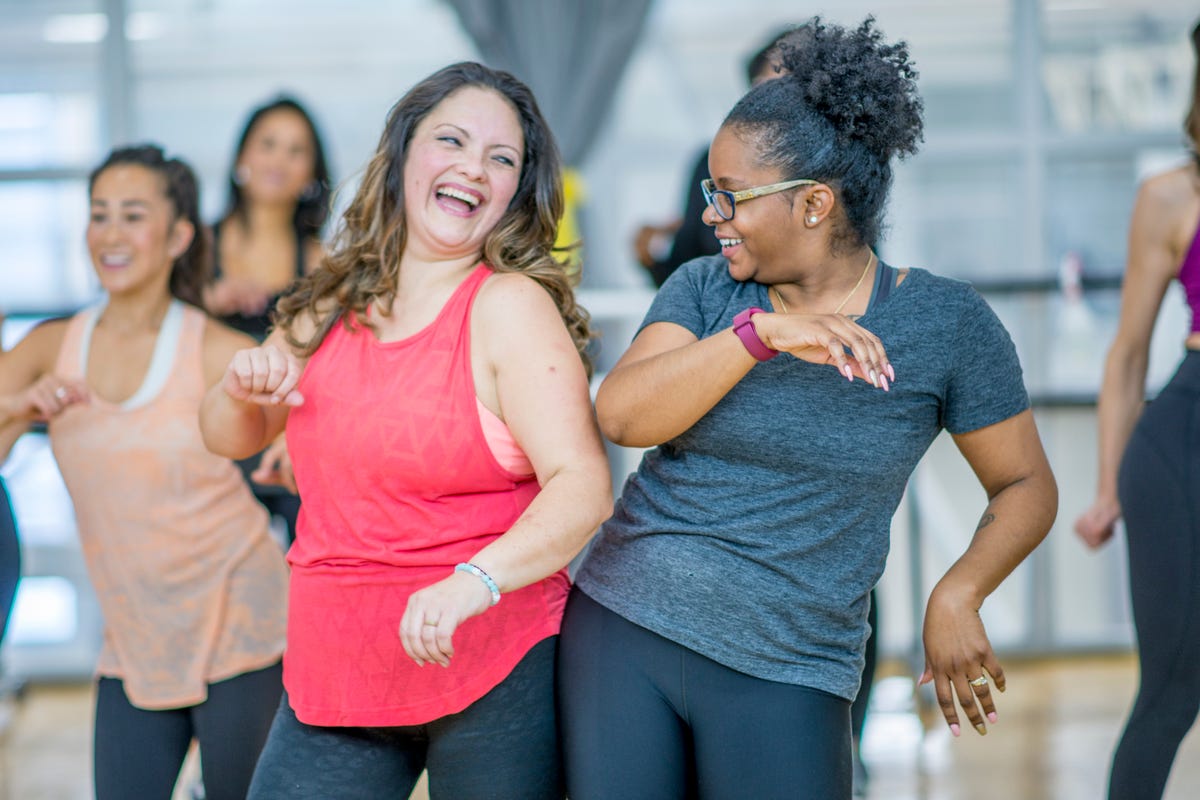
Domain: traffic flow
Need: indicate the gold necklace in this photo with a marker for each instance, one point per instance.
(841, 305)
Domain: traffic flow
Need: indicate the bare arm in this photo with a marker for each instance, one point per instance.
(1022, 495)
(249, 396)
(1152, 263)
(667, 361)
(541, 389)
(29, 389)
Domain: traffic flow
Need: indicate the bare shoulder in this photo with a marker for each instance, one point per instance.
(511, 299)
(221, 342)
(35, 354)
(219, 337)
(44, 340)
(1174, 191)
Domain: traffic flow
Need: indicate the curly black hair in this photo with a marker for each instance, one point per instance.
(845, 104)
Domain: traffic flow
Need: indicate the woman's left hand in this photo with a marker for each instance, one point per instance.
(957, 656)
(275, 467)
(435, 612)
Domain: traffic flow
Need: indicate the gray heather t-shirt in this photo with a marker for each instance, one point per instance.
(755, 537)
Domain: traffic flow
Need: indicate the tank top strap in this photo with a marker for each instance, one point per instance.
(451, 329)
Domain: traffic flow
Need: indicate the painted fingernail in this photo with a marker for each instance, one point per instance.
(954, 729)
(849, 372)
(979, 726)
(883, 380)
(891, 373)
(874, 378)
(992, 717)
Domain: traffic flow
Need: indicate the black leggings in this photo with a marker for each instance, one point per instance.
(647, 719)
(502, 747)
(1159, 487)
(138, 753)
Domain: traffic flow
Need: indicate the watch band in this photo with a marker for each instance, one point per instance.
(744, 329)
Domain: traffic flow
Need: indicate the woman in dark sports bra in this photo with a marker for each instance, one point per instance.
(269, 236)
(1149, 473)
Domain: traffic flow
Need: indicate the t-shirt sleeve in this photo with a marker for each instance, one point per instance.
(679, 300)
(985, 385)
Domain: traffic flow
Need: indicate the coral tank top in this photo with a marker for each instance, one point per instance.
(398, 485)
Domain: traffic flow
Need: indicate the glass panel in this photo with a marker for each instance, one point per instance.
(45, 266)
(48, 130)
(1117, 66)
(958, 218)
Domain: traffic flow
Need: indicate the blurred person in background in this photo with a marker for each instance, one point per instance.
(714, 639)
(432, 381)
(688, 237)
(1149, 472)
(269, 236)
(10, 549)
(190, 584)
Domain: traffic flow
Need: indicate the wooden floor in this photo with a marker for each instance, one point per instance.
(1058, 723)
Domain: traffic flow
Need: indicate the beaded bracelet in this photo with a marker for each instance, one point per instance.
(483, 576)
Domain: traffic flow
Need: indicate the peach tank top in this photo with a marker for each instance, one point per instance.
(192, 588)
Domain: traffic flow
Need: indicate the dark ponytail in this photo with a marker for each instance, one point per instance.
(189, 272)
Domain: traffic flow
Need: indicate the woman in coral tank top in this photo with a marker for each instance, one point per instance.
(431, 378)
(191, 586)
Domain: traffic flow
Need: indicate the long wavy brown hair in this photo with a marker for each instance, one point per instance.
(363, 261)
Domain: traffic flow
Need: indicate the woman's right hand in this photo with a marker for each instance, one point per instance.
(265, 375)
(1095, 526)
(824, 339)
(45, 399)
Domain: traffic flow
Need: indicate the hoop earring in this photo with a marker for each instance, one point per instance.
(311, 191)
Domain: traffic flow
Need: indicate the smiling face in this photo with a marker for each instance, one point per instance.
(133, 234)
(461, 172)
(761, 239)
(278, 160)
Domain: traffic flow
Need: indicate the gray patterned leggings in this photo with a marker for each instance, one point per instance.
(503, 746)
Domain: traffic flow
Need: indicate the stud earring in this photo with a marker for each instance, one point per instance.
(812, 220)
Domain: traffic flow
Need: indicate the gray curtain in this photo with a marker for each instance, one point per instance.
(570, 52)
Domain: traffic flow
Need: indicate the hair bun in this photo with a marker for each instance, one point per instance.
(864, 87)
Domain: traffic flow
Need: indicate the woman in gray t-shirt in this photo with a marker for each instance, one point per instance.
(714, 641)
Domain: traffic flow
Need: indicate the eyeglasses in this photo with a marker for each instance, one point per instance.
(724, 202)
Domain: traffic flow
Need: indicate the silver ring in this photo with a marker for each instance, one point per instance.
(979, 682)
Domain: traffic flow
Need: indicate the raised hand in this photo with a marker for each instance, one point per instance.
(264, 375)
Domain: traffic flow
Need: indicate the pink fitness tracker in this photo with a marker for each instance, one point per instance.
(744, 329)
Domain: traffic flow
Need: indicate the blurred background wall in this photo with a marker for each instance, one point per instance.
(1041, 116)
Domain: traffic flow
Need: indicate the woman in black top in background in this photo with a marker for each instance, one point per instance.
(269, 236)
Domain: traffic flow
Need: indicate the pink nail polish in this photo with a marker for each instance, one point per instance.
(891, 373)
(992, 717)
(954, 729)
(883, 380)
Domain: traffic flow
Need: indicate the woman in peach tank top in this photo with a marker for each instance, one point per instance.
(436, 403)
(191, 586)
